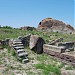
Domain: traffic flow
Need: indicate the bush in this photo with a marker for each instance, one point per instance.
(7, 27)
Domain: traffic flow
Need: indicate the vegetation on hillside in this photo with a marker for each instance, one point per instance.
(42, 64)
(14, 33)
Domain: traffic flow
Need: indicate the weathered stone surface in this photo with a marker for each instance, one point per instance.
(36, 43)
(19, 50)
(52, 25)
(54, 48)
(67, 45)
(6, 41)
(20, 54)
(33, 41)
(25, 40)
(19, 47)
(69, 56)
(67, 72)
(74, 31)
(11, 42)
(25, 61)
(56, 51)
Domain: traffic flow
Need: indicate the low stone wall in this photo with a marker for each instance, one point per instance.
(68, 56)
(54, 48)
(56, 51)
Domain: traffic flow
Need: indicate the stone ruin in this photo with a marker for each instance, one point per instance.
(36, 44)
(53, 25)
(4, 43)
(62, 50)
(57, 48)
(58, 42)
(18, 46)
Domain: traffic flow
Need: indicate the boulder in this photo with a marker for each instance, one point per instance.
(36, 44)
(53, 25)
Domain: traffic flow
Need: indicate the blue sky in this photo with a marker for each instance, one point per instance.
(18, 13)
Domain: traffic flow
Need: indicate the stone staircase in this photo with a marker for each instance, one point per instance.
(20, 51)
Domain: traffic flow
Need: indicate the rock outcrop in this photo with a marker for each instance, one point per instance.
(52, 25)
(36, 44)
(27, 28)
(74, 31)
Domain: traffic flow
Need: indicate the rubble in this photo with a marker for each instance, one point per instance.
(63, 50)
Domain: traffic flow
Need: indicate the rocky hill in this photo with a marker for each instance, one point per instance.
(52, 25)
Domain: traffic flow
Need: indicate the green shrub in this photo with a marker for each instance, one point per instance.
(7, 27)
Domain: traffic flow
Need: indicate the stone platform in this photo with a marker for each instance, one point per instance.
(59, 52)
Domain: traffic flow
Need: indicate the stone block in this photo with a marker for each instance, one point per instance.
(36, 44)
(54, 48)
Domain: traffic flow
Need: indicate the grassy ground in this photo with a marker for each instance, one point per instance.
(42, 64)
(14, 33)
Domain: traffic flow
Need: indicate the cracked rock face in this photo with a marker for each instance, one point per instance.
(36, 43)
(52, 25)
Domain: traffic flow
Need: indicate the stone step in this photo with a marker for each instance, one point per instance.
(25, 61)
(15, 45)
(20, 51)
(22, 54)
(17, 48)
(17, 42)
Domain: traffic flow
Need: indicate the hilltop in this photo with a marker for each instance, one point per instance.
(53, 25)
(14, 33)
